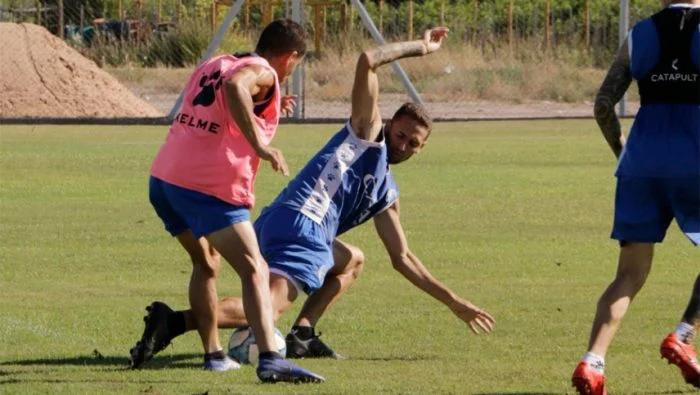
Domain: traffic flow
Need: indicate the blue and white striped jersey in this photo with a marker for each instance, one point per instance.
(346, 183)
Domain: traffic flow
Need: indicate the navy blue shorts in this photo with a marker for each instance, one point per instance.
(182, 209)
(295, 247)
(645, 207)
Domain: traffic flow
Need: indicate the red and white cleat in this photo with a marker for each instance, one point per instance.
(682, 355)
(588, 381)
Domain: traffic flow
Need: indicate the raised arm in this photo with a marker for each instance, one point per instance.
(611, 91)
(365, 118)
(243, 85)
(405, 262)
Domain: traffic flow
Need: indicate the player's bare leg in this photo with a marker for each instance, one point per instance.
(677, 347)
(230, 312)
(303, 341)
(202, 288)
(632, 270)
(238, 245)
(202, 295)
(692, 312)
(282, 295)
(348, 263)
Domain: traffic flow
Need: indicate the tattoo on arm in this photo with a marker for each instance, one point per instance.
(390, 52)
(611, 91)
(366, 119)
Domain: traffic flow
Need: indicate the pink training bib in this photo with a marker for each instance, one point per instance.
(205, 150)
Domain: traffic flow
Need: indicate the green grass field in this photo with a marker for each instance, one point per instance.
(514, 216)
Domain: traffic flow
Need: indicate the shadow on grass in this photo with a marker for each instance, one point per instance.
(395, 358)
(517, 393)
(116, 362)
(94, 381)
(556, 393)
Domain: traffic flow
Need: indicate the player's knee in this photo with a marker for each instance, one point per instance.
(214, 255)
(252, 269)
(357, 262)
(214, 263)
(206, 267)
(354, 261)
(632, 276)
(357, 270)
(635, 263)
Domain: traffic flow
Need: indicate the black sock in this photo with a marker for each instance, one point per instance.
(692, 313)
(303, 332)
(270, 355)
(176, 323)
(214, 355)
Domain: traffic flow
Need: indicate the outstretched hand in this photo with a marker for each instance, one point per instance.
(433, 38)
(479, 321)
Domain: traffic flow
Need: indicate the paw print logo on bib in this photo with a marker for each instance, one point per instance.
(209, 85)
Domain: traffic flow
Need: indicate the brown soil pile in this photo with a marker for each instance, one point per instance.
(41, 76)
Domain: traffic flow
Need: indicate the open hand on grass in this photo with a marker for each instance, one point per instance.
(479, 321)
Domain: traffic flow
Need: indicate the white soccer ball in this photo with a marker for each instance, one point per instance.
(242, 347)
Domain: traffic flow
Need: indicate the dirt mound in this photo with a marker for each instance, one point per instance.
(41, 76)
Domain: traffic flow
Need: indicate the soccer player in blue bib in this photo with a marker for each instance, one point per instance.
(658, 175)
(345, 184)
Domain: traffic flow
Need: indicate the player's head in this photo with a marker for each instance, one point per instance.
(407, 132)
(283, 44)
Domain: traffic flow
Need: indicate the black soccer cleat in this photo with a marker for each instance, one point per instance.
(156, 336)
(313, 347)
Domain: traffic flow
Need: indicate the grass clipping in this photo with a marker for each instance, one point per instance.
(41, 76)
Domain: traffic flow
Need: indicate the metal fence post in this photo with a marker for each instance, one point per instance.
(624, 28)
(298, 76)
(60, 19)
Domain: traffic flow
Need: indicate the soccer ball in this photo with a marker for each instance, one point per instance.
(242, 347)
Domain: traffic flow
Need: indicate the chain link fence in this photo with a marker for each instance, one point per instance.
(503, 57)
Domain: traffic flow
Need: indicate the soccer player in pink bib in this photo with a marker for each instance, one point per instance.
(201, 186)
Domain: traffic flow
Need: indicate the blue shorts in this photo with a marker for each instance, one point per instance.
(645, 207)
(294, 247)
(182, 209)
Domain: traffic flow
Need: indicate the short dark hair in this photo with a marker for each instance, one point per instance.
(280, 37)
(416, 112)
